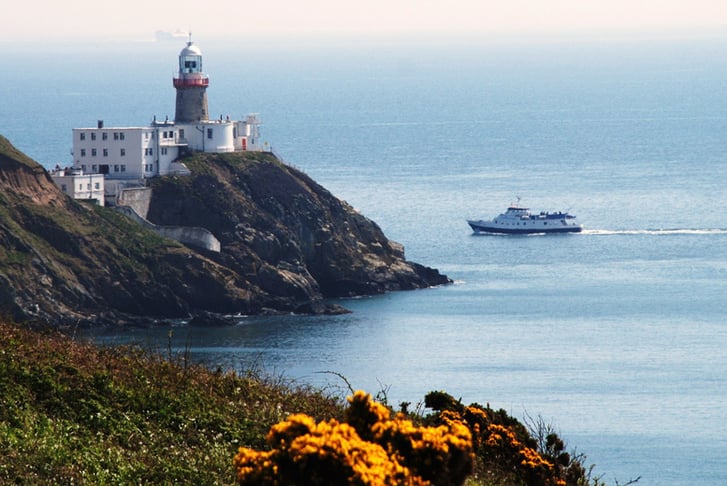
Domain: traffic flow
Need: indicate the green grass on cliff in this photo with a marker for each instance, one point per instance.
(75, 413)
(9, 152)
(198, 163)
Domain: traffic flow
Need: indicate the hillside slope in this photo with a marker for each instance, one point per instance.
(67, 263)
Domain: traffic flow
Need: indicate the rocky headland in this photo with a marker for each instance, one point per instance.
(286, 245)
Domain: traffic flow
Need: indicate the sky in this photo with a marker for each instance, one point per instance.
(92, 20)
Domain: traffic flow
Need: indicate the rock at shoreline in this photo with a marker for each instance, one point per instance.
(287, 245)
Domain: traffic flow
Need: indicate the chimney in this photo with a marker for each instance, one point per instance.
(100, 124)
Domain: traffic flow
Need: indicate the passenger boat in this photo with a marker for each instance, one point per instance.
(519, 220)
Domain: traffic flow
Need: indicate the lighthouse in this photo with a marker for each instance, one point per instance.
(191, 84)
(109, 161)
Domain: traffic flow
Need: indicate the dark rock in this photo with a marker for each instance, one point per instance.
(283, 231)
(210, 319)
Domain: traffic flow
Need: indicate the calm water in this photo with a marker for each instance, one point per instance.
(617, 336)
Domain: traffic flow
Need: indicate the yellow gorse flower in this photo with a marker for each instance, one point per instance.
(370, 448)
(501, 445)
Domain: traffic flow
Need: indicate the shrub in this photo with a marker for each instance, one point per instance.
(369, 448)
(505, 448)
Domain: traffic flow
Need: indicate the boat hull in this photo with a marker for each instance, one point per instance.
(484, 227)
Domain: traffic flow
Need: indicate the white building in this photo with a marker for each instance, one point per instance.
(75, 183)
(126, 156)
(128, 153)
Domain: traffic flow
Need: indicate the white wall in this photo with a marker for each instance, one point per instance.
(118, 150)
(81, 186)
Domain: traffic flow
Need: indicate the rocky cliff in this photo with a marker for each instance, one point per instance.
(286, 245)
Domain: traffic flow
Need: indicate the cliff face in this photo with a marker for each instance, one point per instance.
(284, 231)
(286, 245)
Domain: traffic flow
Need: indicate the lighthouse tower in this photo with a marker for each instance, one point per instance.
(191, 85)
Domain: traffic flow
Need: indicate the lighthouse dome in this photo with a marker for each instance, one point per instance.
(190, 50)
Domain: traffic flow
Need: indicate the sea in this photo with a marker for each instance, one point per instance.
(615, 337)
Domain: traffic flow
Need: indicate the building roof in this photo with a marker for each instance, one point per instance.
(190, 50)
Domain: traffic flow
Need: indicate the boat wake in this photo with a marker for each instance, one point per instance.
(676, 231)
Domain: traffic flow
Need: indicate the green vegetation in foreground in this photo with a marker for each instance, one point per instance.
(77, 413)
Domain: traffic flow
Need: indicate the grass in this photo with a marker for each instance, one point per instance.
(9, 152)
(72, 412)
(75, 413)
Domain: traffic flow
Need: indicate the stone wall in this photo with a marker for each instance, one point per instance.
(188, 235)
(137, 198)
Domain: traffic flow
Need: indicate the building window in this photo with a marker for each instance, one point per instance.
(123, 152)
(116, 135)
(80, 187)
(105, 152)
(104, 136)
(164, 151)
(96, 186)
(181, 133)
(93, 136)
(209, 133)
(121, 135)
(83, 136)
(116, 168)
(64, 188)
(83, 152)
(93, 152)
(123, 167)
(93, 168)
